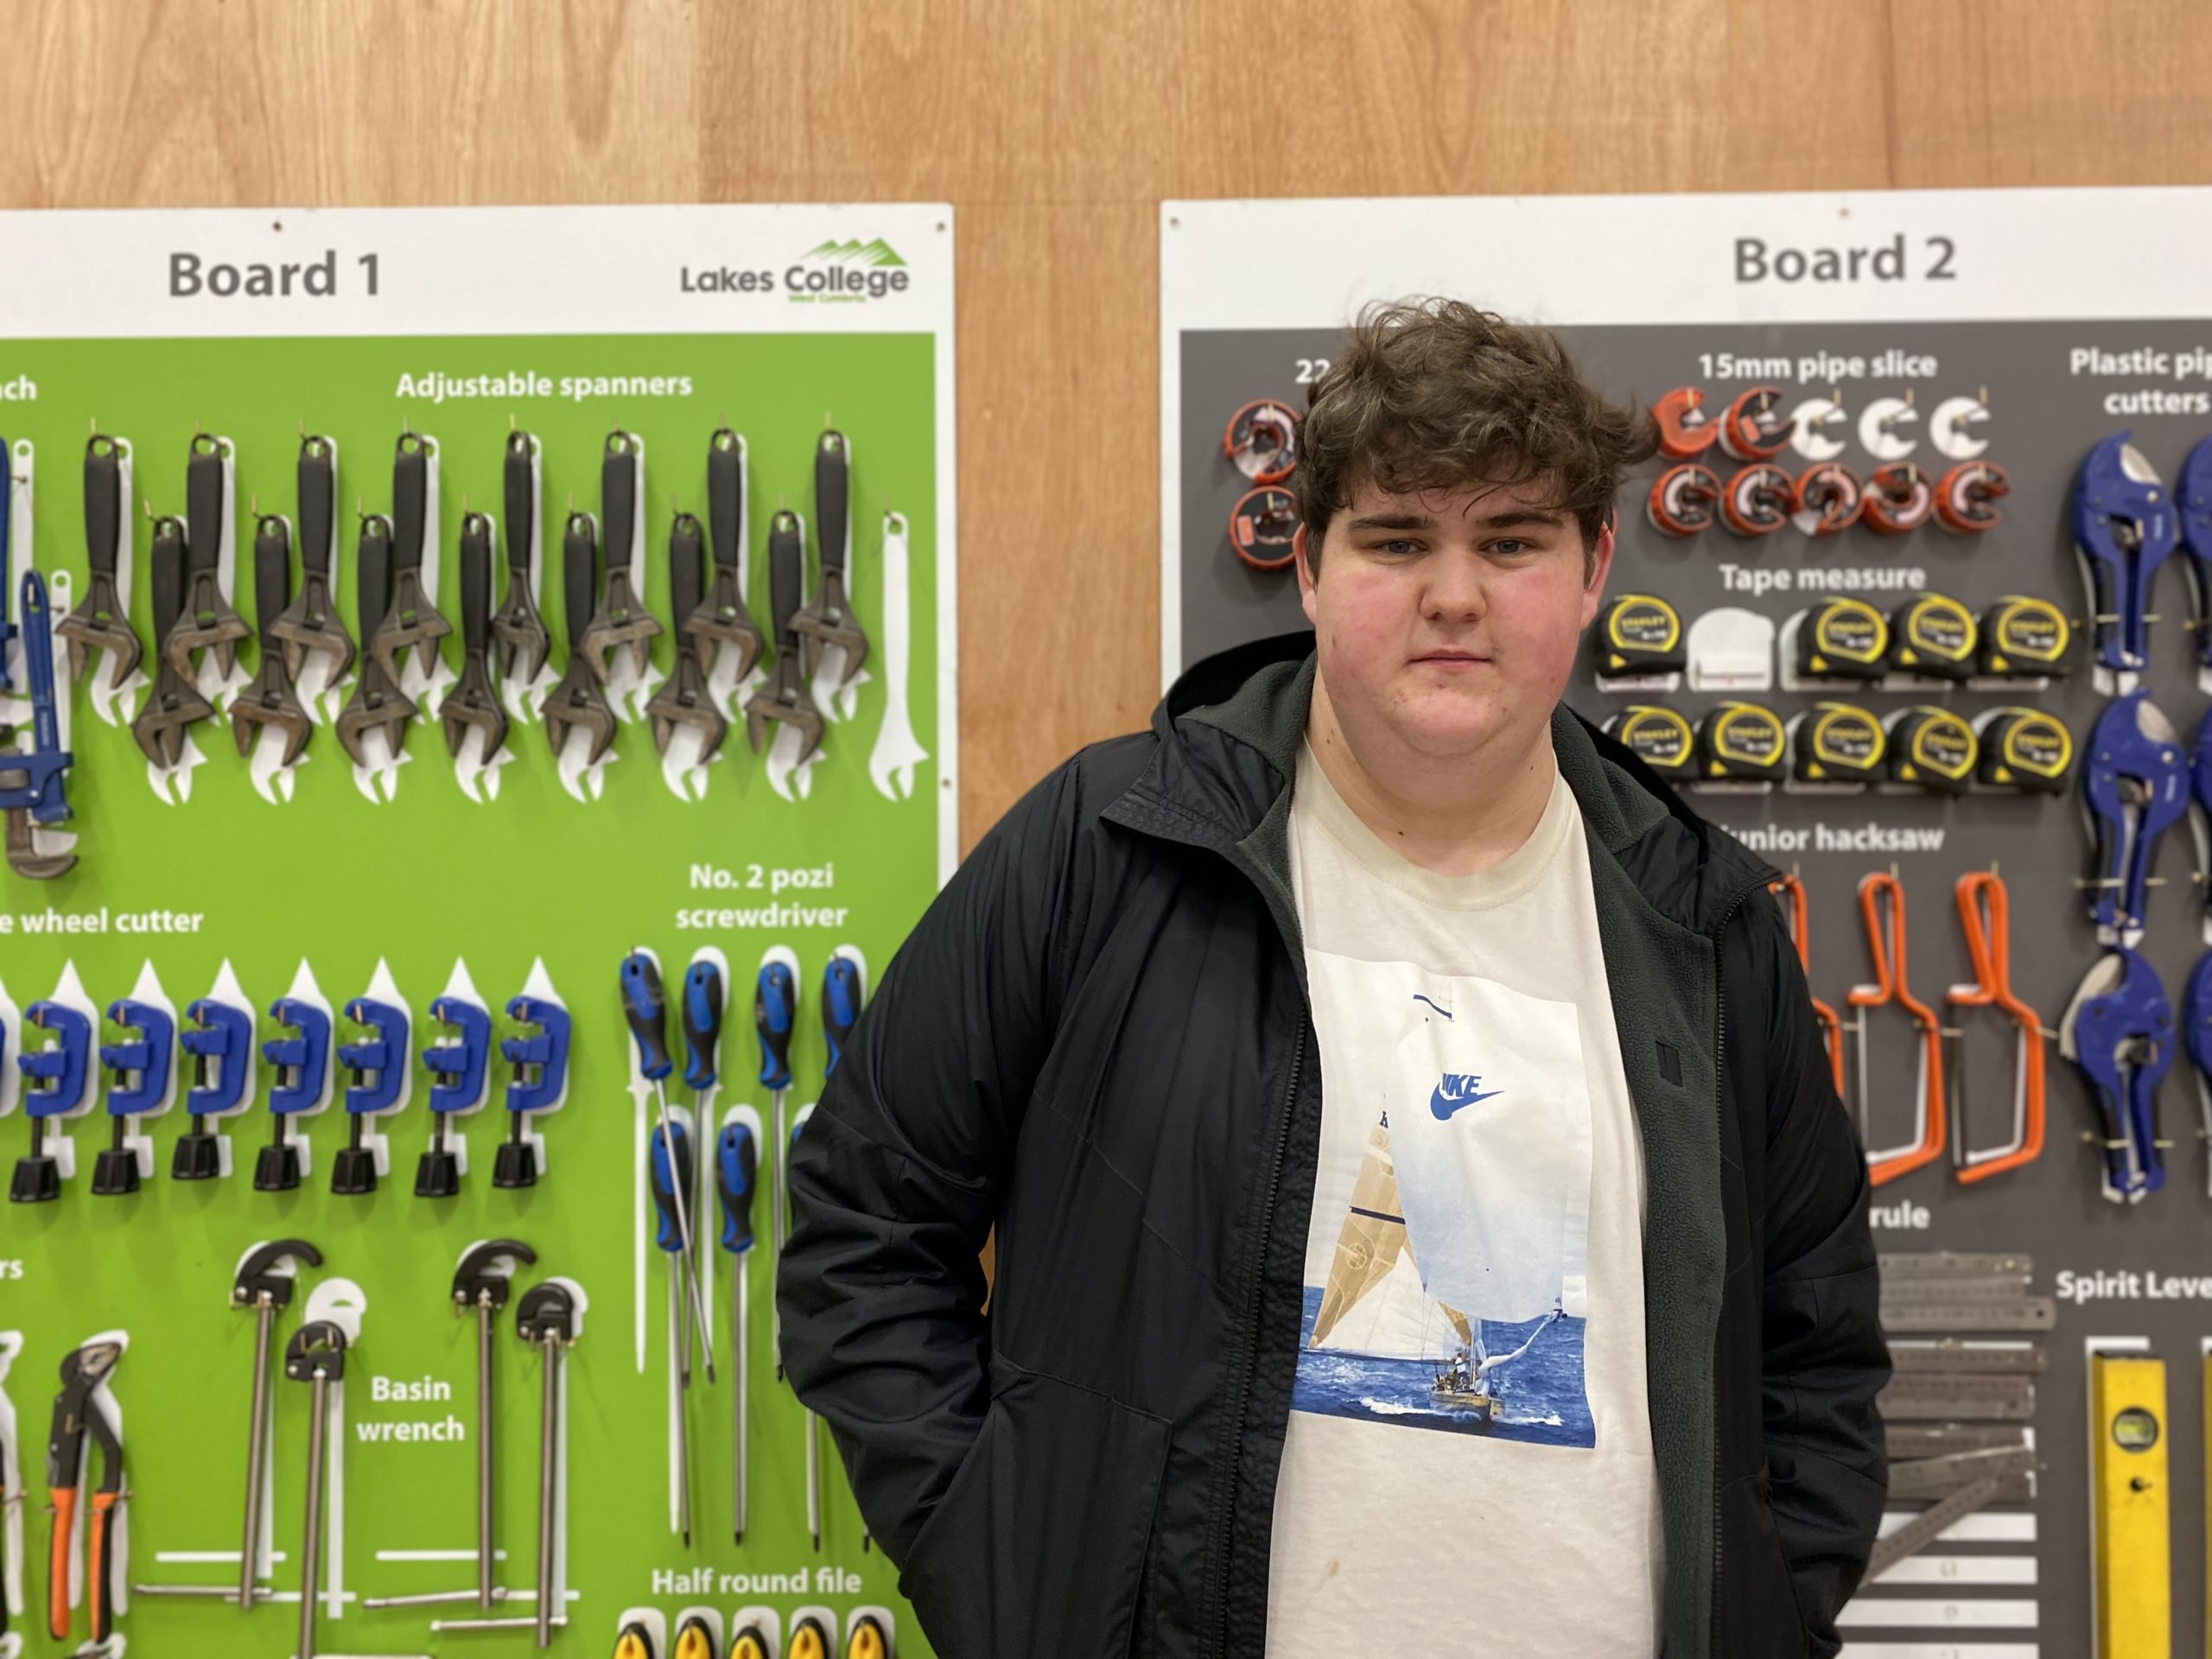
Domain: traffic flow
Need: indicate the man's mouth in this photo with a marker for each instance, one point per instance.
(1452, 659)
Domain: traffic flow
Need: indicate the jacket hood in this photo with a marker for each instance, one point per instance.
(1228, 732)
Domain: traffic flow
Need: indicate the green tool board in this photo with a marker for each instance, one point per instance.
(432, 877)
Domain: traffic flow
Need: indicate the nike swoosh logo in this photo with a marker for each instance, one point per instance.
(1444, 1105)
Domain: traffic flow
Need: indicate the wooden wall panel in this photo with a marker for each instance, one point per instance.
(1053, 129)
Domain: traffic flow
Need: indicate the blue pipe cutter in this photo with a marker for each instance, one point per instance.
(379, 1065)
(541, 1062)
(55, 1079)
(458, 1070)
(2119, 1030)
(31, 790)
(303, 1065)
(141, 1066)
(2136, 783)
(2196, 1030)
(2123, 528)
(219, 1041)
(2195, 494)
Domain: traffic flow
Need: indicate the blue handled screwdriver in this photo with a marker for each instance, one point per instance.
(645, 1007)
(674, 1173)
(737, 1170)
(701, 1007)
(775, 1008)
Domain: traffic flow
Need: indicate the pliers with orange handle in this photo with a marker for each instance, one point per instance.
(76, 1412)
(1984, 913)
(1885, 943)
(1791, 891)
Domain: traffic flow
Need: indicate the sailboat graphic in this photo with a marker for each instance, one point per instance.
(1375, 1304)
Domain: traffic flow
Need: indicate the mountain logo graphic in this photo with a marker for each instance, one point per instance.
(1457, 1090)
(878, 252)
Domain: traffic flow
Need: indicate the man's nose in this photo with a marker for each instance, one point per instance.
(1459, 588)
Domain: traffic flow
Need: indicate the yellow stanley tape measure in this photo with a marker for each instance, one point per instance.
(2024, 637)
(1643, 635)
(1741, 742)
(1931, 748)
(1843, 638)
(1933, 636)
(2024, 749)
(2132, 1543)
(1837, 743)
(1659, 737)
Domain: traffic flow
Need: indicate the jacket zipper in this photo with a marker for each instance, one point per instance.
(1721, 1127)
(1248, 1356)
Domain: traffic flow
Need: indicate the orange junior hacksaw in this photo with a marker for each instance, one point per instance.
(1886, 945)
(1984, 913)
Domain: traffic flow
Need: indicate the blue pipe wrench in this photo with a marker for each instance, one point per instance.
(2124, 529)
(31, 788)
(7, 498)
(2119, 1030)
(541, 1062)
(2137, 784)
(54, 1080)
(141, 1066)
(303, 1065)
(219, 1041)
(457, 1070)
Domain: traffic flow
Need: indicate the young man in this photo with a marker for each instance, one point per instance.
(1425, 1221)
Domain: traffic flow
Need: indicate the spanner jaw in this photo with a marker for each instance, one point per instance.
(208, 624)
(23, 855)
(784, 700)
(684, 702)
(175, 706)
(411, 624)
(473, 703)
(520, 644)
(310, 623)
(828, 621)
(577, 704)
(99, 623)
(619, 623)
(270, 700)
(723, 619)
(376, 705)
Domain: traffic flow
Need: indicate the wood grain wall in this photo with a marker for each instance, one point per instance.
(1054, 128)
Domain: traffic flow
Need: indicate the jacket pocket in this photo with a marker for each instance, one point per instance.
(1757, 1612)
(1038, 1546)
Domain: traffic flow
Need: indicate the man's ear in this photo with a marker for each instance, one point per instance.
(1301, 543)
(1601, 565)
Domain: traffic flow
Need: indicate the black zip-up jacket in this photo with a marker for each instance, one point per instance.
(1097, 1041)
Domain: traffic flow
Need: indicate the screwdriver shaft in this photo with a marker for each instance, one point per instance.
(484, 1598)
(683, 1226)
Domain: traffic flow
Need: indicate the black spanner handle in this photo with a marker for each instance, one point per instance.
(725, 501)
(272, 578)
(579, 577)
(522, 504)
(103, 505)
(166, 562)
(373, 572)
(832, 484)
(318, 492)
(686, 579)
(786, 577)
(203, 504)
(476, 583)
(618, 497)
(410, 502)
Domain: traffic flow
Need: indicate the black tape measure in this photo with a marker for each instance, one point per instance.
(1931, 748)
(1837, 743)
(1933, 636)
(1657, 736)
(2024, 749)
(1640, 635)
(1740, 742)
(1842, 639)
(2024, 637)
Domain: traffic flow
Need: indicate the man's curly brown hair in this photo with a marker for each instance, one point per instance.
(1439, 394)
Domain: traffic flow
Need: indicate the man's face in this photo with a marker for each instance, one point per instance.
(1447, 619)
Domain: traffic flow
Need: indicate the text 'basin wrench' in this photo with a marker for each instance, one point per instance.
(1885, 944)
(1984, 914)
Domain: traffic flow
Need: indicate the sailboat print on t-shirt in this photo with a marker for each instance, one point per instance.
(1453, 1294)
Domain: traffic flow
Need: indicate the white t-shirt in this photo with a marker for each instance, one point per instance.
(1469, 1454)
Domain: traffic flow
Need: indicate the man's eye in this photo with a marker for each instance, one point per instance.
(1396, 545)
(1511, 546)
